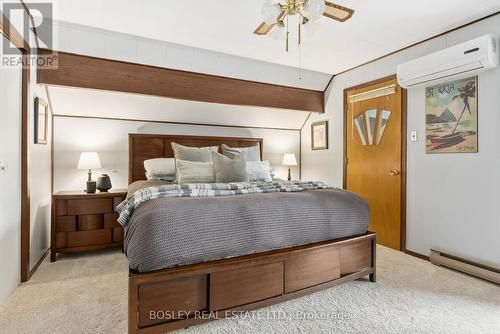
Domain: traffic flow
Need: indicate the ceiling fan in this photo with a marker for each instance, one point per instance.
(277, 13)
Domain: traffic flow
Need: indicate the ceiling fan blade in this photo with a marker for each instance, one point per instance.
(263, 28)
(337, 12)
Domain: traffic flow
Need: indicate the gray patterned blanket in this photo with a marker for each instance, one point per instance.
(174, 231)
(173, 225)
(127, 207)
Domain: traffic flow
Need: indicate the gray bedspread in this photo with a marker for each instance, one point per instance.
(173, 231)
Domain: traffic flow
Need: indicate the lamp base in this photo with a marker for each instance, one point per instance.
(289, 175)
(91, 187)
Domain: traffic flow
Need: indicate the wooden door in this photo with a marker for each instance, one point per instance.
(374, 161)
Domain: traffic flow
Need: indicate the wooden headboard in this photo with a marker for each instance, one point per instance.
(145, 146)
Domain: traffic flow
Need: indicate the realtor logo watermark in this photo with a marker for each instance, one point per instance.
(40, 28)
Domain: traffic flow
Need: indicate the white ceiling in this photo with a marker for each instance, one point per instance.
(377, 28)
(75, 38)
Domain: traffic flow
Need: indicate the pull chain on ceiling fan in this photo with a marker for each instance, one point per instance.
(277, 14)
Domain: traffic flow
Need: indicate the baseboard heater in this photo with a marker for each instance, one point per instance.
(489, 273)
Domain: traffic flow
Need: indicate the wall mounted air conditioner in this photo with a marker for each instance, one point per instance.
(457, 61)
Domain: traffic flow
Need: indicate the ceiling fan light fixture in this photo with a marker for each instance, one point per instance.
(277, 14)
(314, 9)
(270, 12)
(278, 33)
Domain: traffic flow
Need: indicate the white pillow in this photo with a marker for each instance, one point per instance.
(259, 171)
(195, 172)
(159, 167)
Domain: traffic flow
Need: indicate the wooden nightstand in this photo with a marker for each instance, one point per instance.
(83, 222)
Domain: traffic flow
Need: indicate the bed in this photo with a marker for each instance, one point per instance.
(188, 267)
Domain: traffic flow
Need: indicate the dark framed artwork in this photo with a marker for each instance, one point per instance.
(41, 121)
(319, 135)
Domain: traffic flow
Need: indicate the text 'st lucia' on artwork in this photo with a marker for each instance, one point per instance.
(451, 117)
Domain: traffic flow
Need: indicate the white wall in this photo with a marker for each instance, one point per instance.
(39, 179)
(90, 102)
(110, 139)
(452, 199)
(10, 179)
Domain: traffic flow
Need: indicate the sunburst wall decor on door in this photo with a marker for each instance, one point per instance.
(371, 125)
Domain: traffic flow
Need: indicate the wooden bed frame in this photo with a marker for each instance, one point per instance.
(178, 297)
(147, 146)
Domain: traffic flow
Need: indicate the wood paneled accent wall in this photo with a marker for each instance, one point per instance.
(149, 146)
(98, 73)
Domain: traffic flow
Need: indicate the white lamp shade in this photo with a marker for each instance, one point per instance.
(89, 160)
(289, 160)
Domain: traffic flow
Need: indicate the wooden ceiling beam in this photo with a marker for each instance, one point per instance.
(11, 33)
(112, 75)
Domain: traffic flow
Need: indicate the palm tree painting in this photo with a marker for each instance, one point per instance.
(451, 117)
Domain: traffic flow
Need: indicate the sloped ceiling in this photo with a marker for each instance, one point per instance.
(107, 44)
(377, 28)
(86, 102)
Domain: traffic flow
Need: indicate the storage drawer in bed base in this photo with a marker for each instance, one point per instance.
(179, 297)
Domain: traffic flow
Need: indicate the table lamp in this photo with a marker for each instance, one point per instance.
(289, 160)
(89, 160)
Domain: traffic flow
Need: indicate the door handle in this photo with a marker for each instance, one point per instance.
(394, 172)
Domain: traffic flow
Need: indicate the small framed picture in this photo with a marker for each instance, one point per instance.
(319, 136)
(41, 121)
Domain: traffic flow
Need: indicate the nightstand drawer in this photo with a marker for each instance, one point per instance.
(89, 206)
(110, 220)
(90, 222)
(65, 224)
(61, 239)
(61, 209)
(118, 234)
(89, 238)
(117, 201)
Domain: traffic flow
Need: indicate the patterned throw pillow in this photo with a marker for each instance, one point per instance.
(194, 172)
(259, 171)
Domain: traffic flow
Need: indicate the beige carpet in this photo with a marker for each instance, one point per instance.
(88, 294)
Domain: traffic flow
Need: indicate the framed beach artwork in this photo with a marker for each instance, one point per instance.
(451, 117)
(319, 136)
